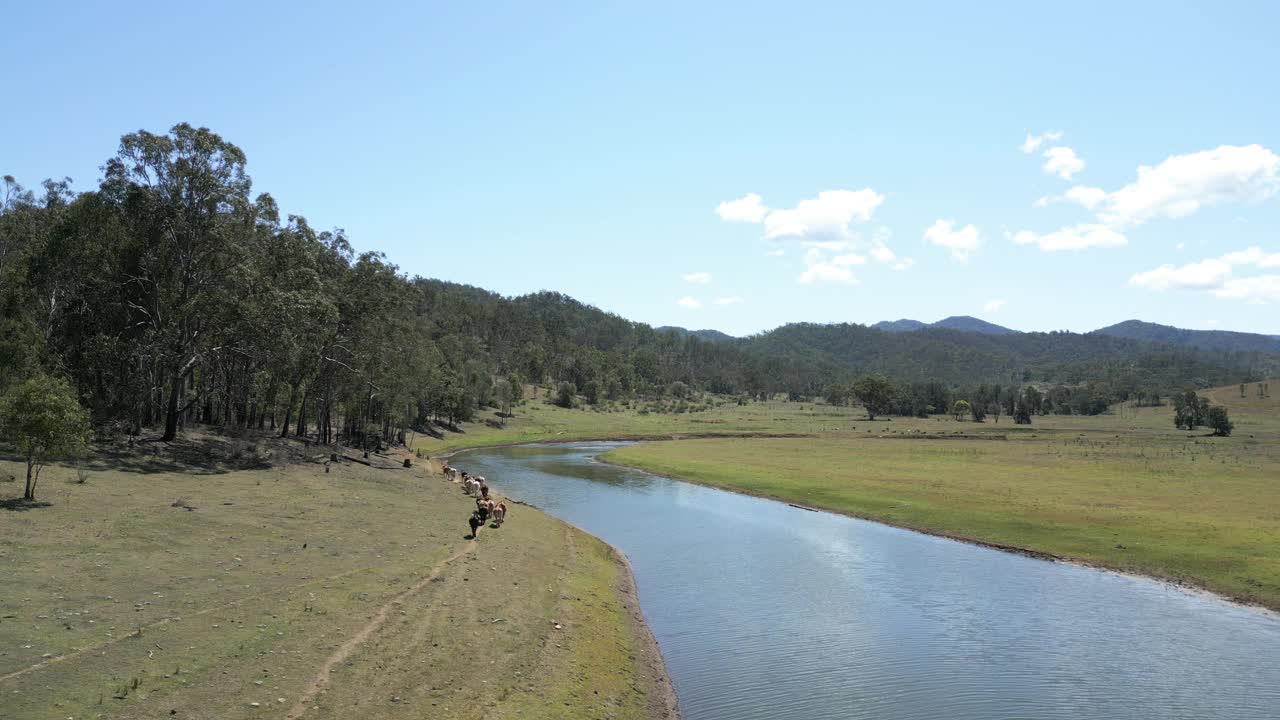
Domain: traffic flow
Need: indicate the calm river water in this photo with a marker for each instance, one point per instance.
(763, 610)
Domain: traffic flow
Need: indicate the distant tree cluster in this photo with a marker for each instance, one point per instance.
(1191, 411)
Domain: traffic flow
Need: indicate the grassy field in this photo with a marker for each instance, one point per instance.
(538, 420)
(1125, 491)
(288, 591)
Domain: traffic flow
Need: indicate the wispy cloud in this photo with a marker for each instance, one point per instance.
(729, 300)
(994, 305)
(1075, 237)
(1033, 142)
(827, 273)
(701, 278)
(689, 303)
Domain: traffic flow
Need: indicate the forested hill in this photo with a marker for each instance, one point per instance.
(172, 293)
(710, 335)
(966, 323)
(960, 358)
(1206, 339)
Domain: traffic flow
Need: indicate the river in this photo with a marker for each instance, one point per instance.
(763, 610)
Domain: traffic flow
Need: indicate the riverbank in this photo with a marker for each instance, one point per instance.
(1202, 518)
(221, 579)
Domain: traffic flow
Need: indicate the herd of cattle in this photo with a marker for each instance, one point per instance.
(486, 507)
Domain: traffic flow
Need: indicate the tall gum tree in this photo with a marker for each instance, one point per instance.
(185, 197)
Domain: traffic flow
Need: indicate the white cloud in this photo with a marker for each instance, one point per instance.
(882, 253)
(829, 262)
(1086, 197)
(1204, 275)
(821, 227)
(961, 242)
(1255, 289)
(689, 303)
(1253, 256)
(826, 273)
(1062, 161)
(1082, 195)
(1217, 275)
(830, 245)
(994, 305)
(747, 208)
(849, 259)
(1183, 184)
(1177, 187)
(826, 216)
(730, 300)
(1075, 237)
(1033, 142)
(701, 278)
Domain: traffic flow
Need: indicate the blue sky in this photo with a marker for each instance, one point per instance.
(597, 148)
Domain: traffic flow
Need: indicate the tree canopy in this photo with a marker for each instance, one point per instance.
(43, 419)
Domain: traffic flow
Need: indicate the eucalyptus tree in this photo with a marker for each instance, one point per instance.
(45, 422)
(185, 199)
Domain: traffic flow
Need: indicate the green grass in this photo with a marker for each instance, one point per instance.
(1124, 491)
(114, 603)
(538, 420)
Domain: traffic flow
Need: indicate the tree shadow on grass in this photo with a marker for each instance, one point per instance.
(21, 505)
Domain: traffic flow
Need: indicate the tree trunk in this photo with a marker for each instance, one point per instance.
(288, 412)
(302, 415)
(30, 492)
(171, 410)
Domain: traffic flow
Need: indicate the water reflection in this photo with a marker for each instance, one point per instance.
(767, 611)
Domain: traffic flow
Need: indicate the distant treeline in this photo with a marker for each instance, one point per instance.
(171, 294)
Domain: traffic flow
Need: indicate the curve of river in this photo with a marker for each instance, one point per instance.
(763, 610)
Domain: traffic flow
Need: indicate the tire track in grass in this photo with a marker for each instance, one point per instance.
(345, 650)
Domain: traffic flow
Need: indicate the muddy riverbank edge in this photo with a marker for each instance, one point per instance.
(660, 693)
